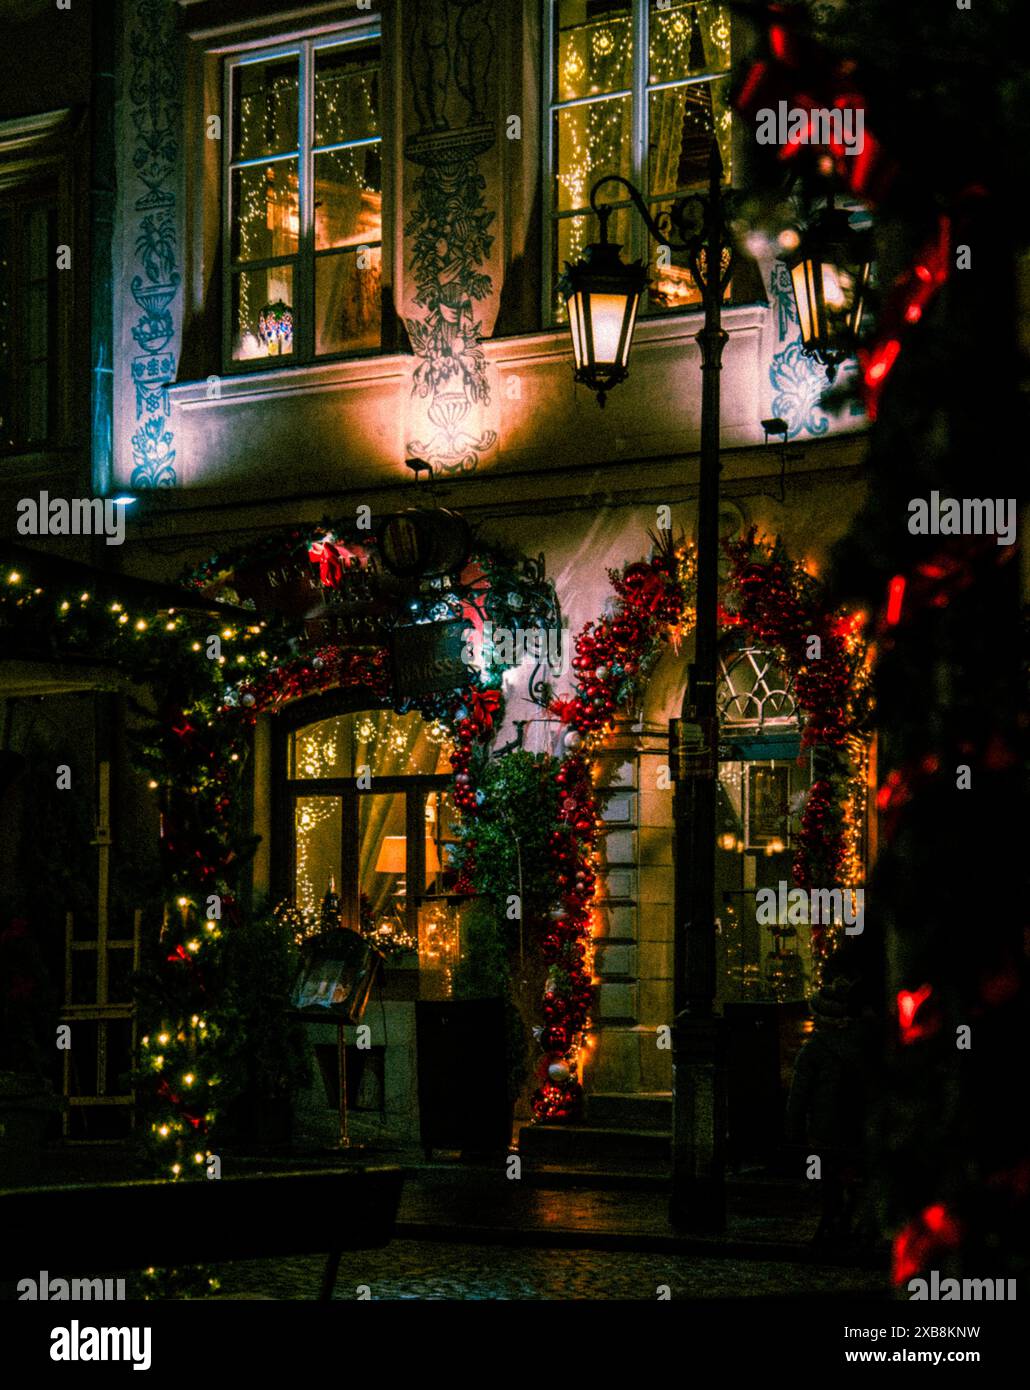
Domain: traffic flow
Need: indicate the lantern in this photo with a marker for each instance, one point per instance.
(602, 295)
(423, 542)
(829, 272)
(275, 327)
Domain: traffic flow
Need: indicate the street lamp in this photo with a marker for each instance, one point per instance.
(829, 272)
(600, 284)
(602, 295)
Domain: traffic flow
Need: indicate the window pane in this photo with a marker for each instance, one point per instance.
(594, 46)
(324, 749)
(573, 234)
(680, 126)
(590, 141)
(264, 108)
(347, 300)
(262, 313)
(318, 824)
(389, 744)
(688, 40)
(346, 93)
(265, 211)
(348, 200)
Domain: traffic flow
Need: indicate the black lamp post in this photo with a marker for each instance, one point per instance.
(829, 272)
(600, 288)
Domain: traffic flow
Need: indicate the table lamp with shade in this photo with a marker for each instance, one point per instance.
(393, 859)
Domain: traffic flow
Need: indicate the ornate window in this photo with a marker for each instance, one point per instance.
(637, 88)
(368, 820)
(302, 200)
(36, 300)
(754, 692)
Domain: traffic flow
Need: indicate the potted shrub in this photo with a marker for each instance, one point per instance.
(267, 1059)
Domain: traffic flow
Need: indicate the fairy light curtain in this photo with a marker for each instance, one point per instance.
(388, 745)
(600, 115)
(324, 98)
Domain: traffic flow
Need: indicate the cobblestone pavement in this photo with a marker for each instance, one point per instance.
(409, 1269)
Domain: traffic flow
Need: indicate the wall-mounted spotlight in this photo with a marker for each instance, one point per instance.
(775, 428)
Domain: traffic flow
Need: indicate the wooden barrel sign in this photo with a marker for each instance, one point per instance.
(419, 542)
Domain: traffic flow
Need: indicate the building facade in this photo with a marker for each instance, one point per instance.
(335, 235)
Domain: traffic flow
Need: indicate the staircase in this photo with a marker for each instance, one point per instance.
(618, 1132)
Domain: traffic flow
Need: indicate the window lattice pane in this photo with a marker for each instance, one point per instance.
(346, 94)
(681, 121)
(265, 108)
(348, 197)
(266, 211)
(257, 295)
(347, 290)
(594, 47)
(753, 689)
(590, 141)
(689, 40)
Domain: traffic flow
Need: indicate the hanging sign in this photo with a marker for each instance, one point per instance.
(428, 658)
(694, 748)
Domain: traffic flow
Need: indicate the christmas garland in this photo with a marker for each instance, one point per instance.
(779, 604)
(211, 686)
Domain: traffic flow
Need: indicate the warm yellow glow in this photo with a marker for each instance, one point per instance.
(607, 314)
(834, 288)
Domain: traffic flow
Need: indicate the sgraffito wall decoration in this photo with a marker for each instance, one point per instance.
(153, 111)
(799, 385)
(448, 236)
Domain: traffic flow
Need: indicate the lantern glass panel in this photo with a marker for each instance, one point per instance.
(607, 317)
(576, 322)
(804, 295)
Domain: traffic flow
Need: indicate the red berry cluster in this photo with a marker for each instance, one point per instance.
(610, 652)
(570, 992)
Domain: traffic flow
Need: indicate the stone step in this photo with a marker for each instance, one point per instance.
(563, 1144)
(650, 1110)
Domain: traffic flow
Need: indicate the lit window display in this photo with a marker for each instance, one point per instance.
(654, 129)
(304, 209)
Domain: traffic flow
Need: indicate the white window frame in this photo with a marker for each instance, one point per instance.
(640, 92)
(304, 260)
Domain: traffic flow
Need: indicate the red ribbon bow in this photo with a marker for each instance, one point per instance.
(330, 557)
(483, 706)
